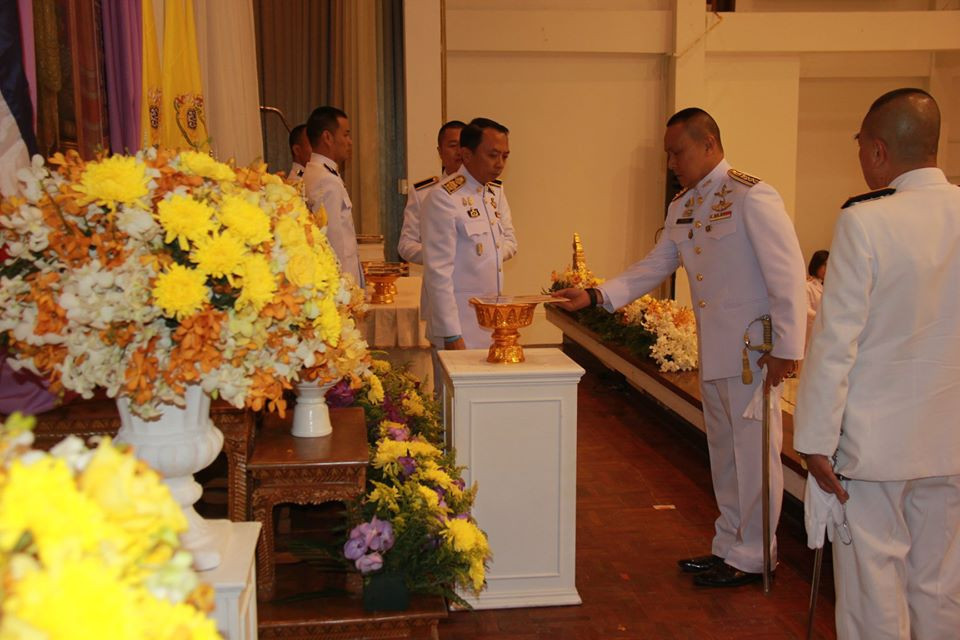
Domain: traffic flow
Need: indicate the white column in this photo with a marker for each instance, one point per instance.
(515, 428)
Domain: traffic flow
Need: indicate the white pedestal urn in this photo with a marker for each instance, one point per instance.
(177, 444)
(311, 415)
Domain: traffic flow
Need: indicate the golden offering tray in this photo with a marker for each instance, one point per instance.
(383, 276)
(505, 315)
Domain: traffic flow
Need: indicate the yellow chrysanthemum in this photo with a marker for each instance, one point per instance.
(220, 255)
(245, 219)
(185, 220)
(259, 282)
(477, 573)
(464, 536)
(167, 620)
(413, 404)
(201, 164)
(290, 233)
(115, 180)
(430, 497)
(330, 324)
(375, 395)
(74, 599)
(385, 496)
(63, 524)
(389, 450)
(302, 267)
(180, 291)
(130, 494)
(380, 367)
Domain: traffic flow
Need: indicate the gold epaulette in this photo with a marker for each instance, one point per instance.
(680, 193)
(454, 183)
(743, 178)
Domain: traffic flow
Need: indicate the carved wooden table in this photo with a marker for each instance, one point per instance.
(284, 469)
(99, 417)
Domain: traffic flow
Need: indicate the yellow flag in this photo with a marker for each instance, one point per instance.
(150, 102)
(183, 118)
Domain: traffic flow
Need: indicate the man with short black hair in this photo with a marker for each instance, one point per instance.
(879, 399)
(732, 233)
(332, 145)
(467, 234)
(410, 246)
(300, 150)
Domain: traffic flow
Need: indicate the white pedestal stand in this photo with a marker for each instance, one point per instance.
(515, 427)
(235, 580)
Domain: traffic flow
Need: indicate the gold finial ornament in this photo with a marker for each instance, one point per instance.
(579, 259)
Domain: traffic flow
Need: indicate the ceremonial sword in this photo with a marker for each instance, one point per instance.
(747, 378)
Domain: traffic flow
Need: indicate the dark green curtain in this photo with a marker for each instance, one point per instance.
(392, 105)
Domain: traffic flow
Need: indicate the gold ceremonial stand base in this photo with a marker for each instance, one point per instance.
(505, 347)
(384, 288)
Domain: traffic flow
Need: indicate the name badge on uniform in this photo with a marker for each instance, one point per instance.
(473, 213)
(684, 220)
(720, 215)
(479, 248)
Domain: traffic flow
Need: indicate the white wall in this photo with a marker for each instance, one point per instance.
(586, 155)
(831, 110)
(585, 89)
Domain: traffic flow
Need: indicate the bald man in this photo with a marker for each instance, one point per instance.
(731, 232)
(879, 398)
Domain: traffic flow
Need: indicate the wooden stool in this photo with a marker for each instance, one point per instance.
(99, 417)
(285, 469)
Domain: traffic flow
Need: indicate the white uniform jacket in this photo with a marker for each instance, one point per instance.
(410, 246)
(467, 233)
(296, 172)
(324, 187)
(881, 386)
(733, 236)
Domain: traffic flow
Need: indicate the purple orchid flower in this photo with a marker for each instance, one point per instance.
(369, 563)
(392, 411)
(354, 548)
(379, 535)
(402, 434)
(407, 466)
(340, 395)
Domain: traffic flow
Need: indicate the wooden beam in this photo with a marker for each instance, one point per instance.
(773, 32)
(638, 32)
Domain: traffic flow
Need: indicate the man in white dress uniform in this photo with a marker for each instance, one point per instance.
(329, 131)
(467, 234)
(300, 150)
(410, 246)
(732, 234)
(879, 400)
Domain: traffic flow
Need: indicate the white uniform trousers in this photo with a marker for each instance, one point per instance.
(899, 578)
(736, 465)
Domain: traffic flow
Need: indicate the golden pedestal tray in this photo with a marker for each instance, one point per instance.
(505, 315)
(383, 276)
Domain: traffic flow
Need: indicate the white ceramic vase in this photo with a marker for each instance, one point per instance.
(177, 444)
(311, 415)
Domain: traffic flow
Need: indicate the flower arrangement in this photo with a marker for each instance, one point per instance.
(674, 327)
(416, 513)
(89, 546)
(661, 330)
(143, 274)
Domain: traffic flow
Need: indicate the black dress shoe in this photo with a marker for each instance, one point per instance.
(699, 564)
(723, 575)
